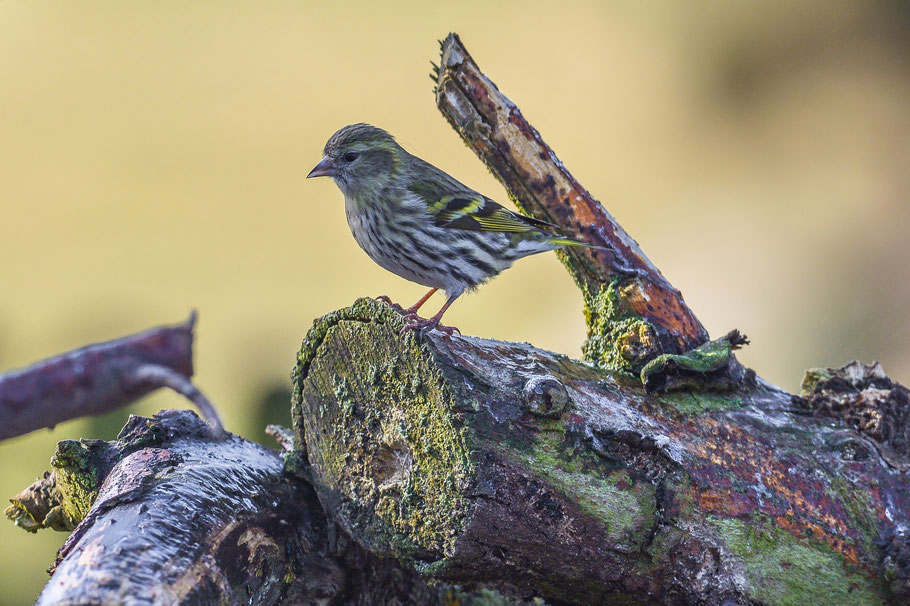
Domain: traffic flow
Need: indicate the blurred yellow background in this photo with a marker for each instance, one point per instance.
(153, 155)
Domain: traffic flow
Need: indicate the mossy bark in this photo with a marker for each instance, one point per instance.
(463, 470)
(496, 464)
(172, 516)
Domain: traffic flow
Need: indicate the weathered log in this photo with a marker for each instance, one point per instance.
(471, 469)
(180, 518)
(482, 462)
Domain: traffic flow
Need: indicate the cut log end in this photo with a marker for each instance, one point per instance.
(482, 462)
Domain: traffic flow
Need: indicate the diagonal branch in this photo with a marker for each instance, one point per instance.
(540, 185)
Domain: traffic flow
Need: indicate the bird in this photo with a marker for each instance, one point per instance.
(422, 224)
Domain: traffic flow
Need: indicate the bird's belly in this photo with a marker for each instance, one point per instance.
(389, 247)
(409, 245)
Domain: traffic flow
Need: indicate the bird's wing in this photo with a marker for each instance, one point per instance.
(454, 205)
(479, 213)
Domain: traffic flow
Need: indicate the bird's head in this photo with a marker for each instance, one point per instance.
(360, 158)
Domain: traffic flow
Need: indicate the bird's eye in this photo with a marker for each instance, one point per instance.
(350, 156)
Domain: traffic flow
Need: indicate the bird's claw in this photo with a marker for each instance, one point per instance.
(449, 330)
(390, 303)
(424, 326)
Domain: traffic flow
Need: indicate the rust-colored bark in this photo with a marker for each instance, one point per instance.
(497, 463)
(517, 155)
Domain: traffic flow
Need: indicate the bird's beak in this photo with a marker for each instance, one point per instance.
(324, 169)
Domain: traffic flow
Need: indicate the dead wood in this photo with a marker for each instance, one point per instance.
(101, 377)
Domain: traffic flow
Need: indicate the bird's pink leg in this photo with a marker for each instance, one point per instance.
(410, 311)
(431, 323)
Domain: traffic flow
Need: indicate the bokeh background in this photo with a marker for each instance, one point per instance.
(153, 155)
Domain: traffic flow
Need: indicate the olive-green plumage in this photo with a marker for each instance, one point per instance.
(418, 222)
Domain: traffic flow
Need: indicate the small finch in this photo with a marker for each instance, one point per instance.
(423, 225)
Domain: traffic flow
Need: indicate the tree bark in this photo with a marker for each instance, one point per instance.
(540, 185)
(182, 518)
(501, 465)
(102, 377)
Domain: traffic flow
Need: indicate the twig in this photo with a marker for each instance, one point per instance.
(161, 376)
(282, 435)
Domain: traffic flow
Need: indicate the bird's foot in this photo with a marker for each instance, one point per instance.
(391, 303)
(425, 325)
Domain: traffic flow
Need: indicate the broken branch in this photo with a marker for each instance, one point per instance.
(101, 377)
(540, 185)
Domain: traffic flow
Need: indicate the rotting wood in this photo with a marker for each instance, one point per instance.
(180, 518)
(475, 471)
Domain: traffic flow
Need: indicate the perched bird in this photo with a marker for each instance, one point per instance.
(423, 225)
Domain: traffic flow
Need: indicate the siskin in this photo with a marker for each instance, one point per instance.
(423, 225)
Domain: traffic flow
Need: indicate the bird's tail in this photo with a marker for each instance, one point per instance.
(543, 241)
(567, 241)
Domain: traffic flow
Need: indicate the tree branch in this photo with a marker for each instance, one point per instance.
(179, 518)
(464, 470)
(540, 185)
(101, 377)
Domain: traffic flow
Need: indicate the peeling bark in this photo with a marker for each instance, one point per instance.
(459, 470)
(485, 472)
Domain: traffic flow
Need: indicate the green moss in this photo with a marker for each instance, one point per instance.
(812, 378)
(142, 432)
(860, 506)
(625, 513)
(384, 441)
(695, 402)
(708, 367)
(295, 464)
(78, 478)
(618, 339)
(782, 570)
(625, 508)
(704, 358)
